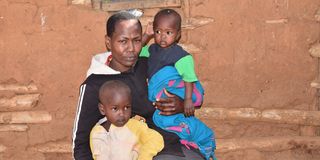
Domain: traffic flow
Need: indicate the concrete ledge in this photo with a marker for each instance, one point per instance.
(268, 143)
(2, 148)
(14, 127)
(19, 102)
(19, 88)
(25, 117)
(299, 117)
(223, 145)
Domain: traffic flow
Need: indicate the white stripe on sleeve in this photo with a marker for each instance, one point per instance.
(76, 120)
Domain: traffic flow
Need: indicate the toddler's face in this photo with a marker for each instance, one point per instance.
(166, 32)
(118, 109)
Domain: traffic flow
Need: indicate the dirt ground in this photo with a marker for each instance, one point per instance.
(254, 54)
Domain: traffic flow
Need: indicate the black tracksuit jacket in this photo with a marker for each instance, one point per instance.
(88, 113)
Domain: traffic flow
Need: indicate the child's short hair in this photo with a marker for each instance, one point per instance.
(116, 18)
(168, 12)
(112, 87)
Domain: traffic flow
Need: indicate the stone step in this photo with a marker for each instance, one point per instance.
(19, 102)
(315, 84)
(52, 147)
(19, 88)
(317, 15)
(284, 116)
(23, 117)
(268, 143)
(2, 148)
(315, 50)
(14, 127)
(223, 145)
(277, 21)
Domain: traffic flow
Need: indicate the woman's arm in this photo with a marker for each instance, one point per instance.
(171, 105)
(87, 116)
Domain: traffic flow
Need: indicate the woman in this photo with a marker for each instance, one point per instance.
(123, 39)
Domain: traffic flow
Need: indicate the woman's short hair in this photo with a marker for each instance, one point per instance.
(118, 17)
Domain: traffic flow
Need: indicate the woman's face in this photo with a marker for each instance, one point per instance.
(125, 44)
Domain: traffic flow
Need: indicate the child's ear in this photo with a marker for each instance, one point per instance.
(108, 42)
(178, 36)
(101, 109)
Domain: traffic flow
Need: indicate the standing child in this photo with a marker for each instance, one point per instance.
(171, 69)
(116, 136)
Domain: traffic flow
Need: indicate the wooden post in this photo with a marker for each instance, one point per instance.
(314, 52)
(317, 15)
(96, 4)
(185, 6)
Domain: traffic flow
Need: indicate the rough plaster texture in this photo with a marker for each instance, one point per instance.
(247, 61)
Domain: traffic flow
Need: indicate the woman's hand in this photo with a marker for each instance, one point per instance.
(169, 106)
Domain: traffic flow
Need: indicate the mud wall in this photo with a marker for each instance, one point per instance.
(254, 54)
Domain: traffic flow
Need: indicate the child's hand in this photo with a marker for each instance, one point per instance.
(148, 34)
(149, 29)
(188, 108)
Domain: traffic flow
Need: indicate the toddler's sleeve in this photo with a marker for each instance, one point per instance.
(185, 67)
(144, 52)
(98, 144)
(151, 141)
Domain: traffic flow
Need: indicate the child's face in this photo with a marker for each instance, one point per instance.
(125, 44)
(166, 32)
(117, 108)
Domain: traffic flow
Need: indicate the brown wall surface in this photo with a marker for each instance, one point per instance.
(246, 61)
